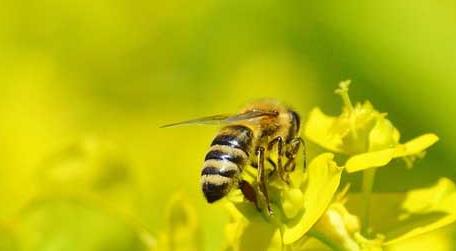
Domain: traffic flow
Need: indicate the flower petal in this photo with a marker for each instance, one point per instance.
(417, 145)
(367, 160)
(318, 129)
(364, 161)
(335, 228)
(324, 177)
(383, 135)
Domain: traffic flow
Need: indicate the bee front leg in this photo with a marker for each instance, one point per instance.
(304, 151)
(274, 167)
(290, 165)
(291, 153)
(280, 153)
(261, 177)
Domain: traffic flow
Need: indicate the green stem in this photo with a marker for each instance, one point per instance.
(367, 186)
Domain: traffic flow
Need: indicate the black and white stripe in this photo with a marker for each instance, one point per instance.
(236, 136)
(225, 160)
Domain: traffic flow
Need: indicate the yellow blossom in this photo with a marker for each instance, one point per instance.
(363, 133)
(297, 206)
(308, 211)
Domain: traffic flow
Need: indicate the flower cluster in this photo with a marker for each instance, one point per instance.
(314, 211)
(362, 133)
(314, 207)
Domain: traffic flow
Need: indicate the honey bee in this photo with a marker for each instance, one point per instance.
(248, 138)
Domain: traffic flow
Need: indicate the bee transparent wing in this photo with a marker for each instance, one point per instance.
(250, 115)
(209, 120)
(223, 119)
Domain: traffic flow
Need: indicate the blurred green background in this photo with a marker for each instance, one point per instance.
(84, 86)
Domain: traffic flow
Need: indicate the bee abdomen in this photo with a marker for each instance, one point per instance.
(217, 177)
(213, 191)
(235, 136)
(210, 170)
(224, 161)
(235, 156)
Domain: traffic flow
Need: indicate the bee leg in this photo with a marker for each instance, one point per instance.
(261, 178)
(274, 167)
(292, 152)
(290, 165)
(279, 142)
(249, 192)
(304, 149)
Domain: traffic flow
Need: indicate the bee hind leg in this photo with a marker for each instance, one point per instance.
(249, 192)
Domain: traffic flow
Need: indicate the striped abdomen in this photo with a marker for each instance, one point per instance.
(228, 154)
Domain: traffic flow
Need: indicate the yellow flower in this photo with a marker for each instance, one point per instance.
(404, 216)
(363, 133)
(307, 209)
(297, 207)
(307, 212)
(337, 227)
